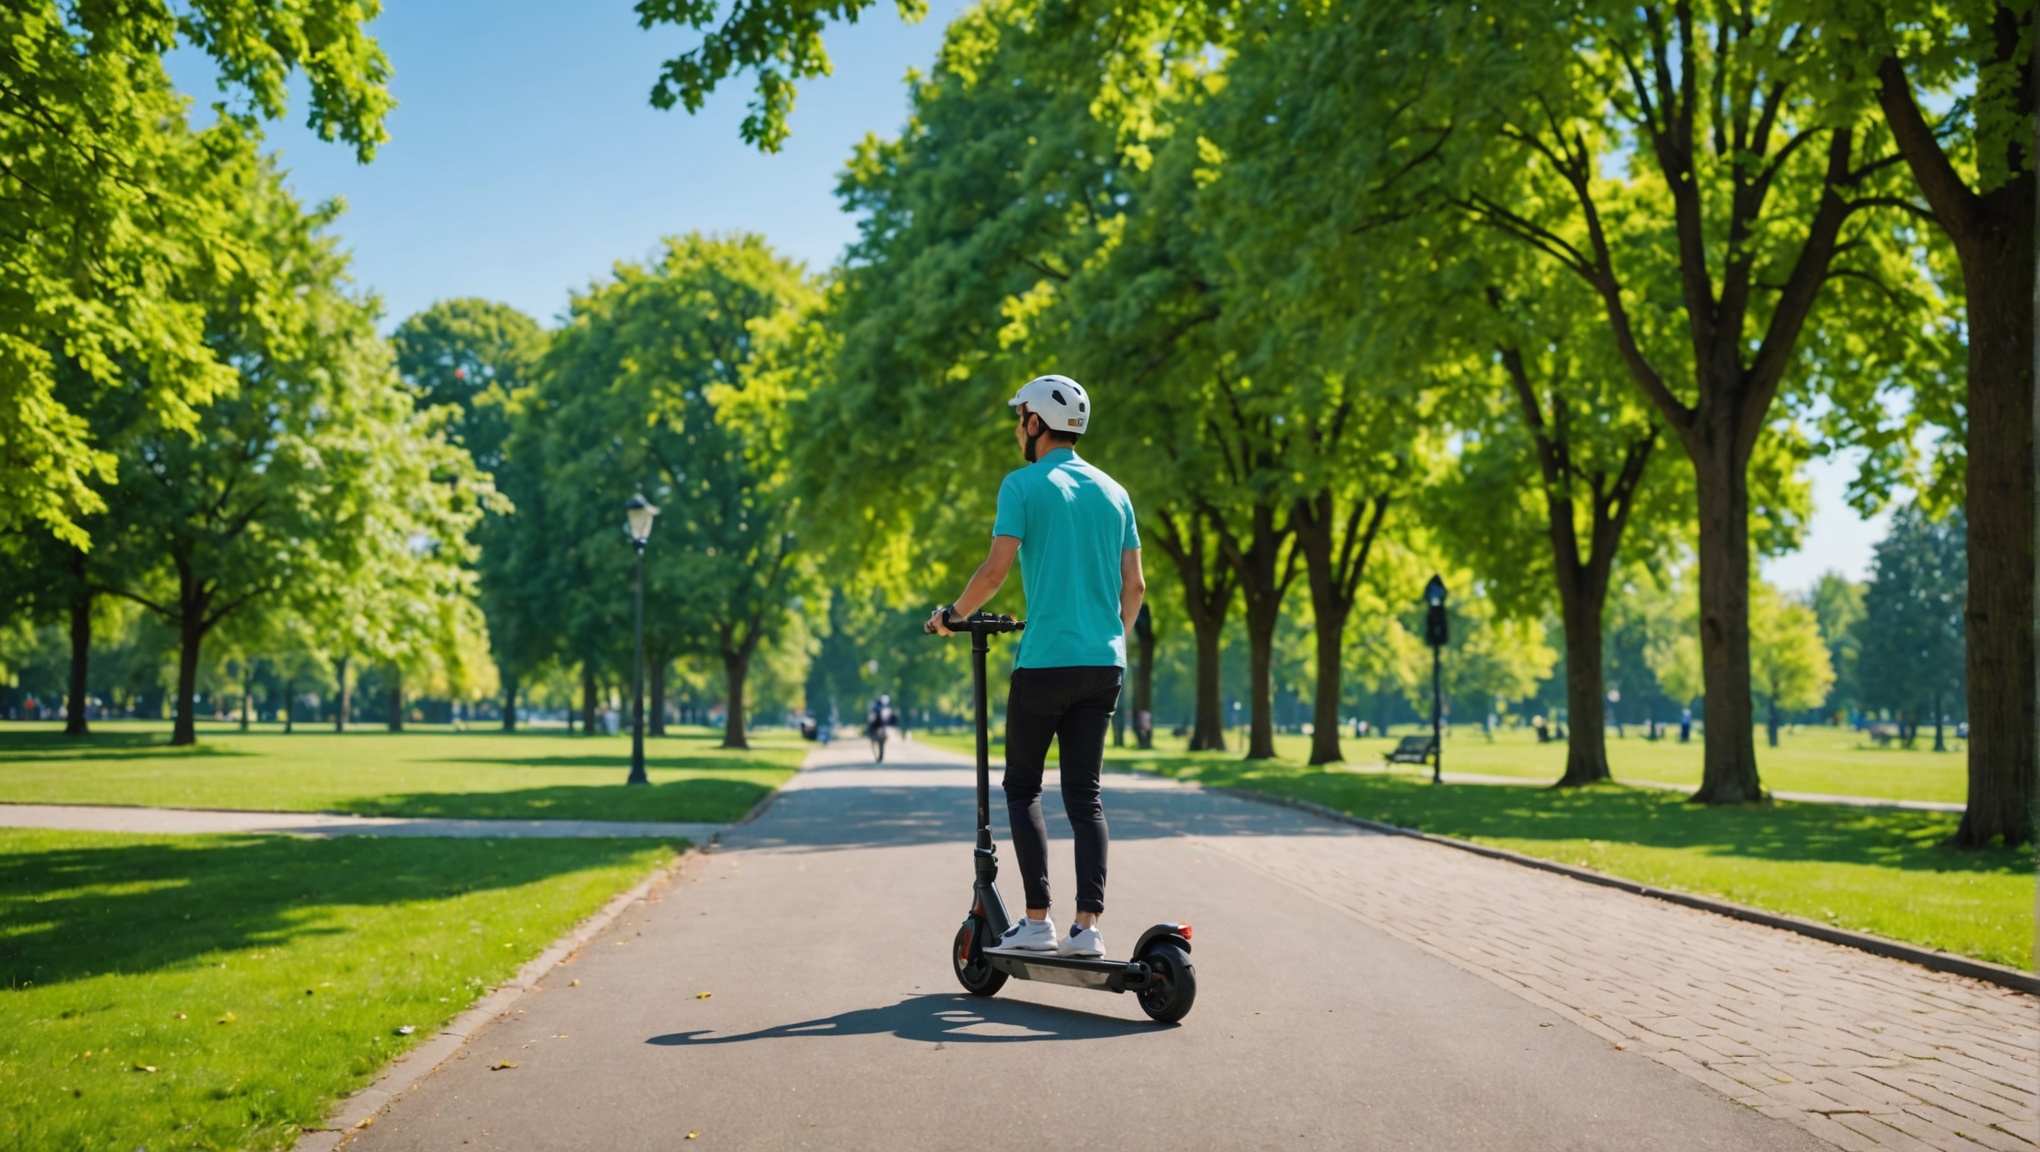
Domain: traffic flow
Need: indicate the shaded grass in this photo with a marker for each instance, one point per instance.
(432, 772)
(1879, 870)
(261, 977)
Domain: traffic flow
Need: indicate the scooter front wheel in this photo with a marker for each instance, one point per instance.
(973, 969)
(1173, 989)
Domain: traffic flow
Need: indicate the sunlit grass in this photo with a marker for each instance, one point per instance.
(424, 772)
(1829, 761)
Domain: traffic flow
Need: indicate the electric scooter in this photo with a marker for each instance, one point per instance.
(1160, 975)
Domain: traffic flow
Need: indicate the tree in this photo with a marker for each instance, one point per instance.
(644, 390)
(479, 357)
(109, 201)
(1632, 137)
(1975, 168)
(1000, 240)
(1837, 604)
(315, 478)
(1911, 633)
(1790, 660)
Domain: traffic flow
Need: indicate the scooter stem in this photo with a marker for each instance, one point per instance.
(980, 645)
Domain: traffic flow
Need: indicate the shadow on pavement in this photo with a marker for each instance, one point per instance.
(937, 1018)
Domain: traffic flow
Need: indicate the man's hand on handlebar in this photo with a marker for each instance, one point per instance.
(935, 625)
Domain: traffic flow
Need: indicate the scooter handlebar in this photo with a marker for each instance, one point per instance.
(984, 622)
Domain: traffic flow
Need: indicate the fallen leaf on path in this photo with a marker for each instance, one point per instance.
(499, 1065)
(573, 983)
(692, 1135)
(703, 995)
(364, 1122)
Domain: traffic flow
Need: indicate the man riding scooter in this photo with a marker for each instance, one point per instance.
(1071, 527)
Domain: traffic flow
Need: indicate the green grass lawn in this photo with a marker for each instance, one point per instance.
(422, 772)
(1879, 870)
(1825, 760)
(222, 991)
(1834, 761)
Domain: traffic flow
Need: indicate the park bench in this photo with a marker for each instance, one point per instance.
(1412, 750)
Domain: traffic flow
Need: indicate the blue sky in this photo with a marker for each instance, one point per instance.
(525, 161)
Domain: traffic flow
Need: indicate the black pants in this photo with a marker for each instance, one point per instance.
(1073, 707)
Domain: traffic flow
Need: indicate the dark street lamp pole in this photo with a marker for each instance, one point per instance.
(1434, 635)
(637, 516)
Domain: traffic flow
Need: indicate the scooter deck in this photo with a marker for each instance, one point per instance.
(1075, 971)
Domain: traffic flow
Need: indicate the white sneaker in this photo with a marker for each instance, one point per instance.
(1086, 943)
(1029, 936)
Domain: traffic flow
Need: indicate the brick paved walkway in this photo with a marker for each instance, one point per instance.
(1862, 1051)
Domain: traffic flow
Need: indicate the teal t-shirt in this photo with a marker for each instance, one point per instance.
(1072, 522)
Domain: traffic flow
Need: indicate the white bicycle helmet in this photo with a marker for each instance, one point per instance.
(1061, 402)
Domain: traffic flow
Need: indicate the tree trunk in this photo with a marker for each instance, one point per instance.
(1729, 761)
(1582, 580)
(1207, 597)
(1264, 578)
(588, 691)
(75, 721)
(1993, 235)
(191, 604)
(2000, 507)
(1586, 740)
(736, 666)
(344, 702)
(1207, 728)
(289, 706)
(656, 722)
(1940, 739)
(247, 692)
(1771, 721)
(1334, 559)
(1144, 682)
(1263, 612)
(396, 700)
(510, 702)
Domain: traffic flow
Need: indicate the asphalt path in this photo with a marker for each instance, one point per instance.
(793, 990)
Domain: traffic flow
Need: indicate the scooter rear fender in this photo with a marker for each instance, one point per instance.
(1177, 933)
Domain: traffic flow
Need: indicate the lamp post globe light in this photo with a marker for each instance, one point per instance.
(637, 519)
(1435, 635)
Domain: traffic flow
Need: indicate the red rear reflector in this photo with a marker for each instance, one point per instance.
(1186, 931)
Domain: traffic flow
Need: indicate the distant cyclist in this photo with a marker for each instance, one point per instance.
(880, 719)
(1071, 528)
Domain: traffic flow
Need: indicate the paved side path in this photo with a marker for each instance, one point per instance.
(1863, 1051)
(112, 818)
(1357, 991)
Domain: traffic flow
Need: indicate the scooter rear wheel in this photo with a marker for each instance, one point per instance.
(973, 970)
(1168, 997)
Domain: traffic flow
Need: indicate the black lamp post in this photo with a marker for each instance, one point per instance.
(637, 517)
(1434, 635)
